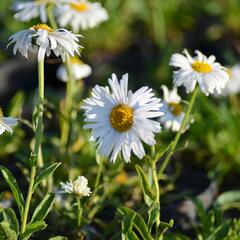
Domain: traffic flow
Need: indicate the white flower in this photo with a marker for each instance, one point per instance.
(80, 70)
(6, 123)
(210, 75)
(81, 15)
(77, 187)
(233, 86)
(120, 119)
(173, 114)
(32, 9)
(43, 39)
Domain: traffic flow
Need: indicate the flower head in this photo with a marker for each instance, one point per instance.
(80, 70)
(43, 39)
(81, 15)
(233, 86)
(78, 187)
(6, 123)
(25, 11)
(173, 114)
(121, 119)
(210, 75)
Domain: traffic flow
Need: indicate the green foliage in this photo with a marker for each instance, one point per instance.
(43, 208)
(9, 216)
(11, 181)
(147, 191)
(6, 232)
(32, 228)
(133, 219)
(45, 172)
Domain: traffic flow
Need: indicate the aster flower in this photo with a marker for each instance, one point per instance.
(80, 70)
(25, 11)
(121, 119)
(210, 75)
(78, 187)
(81, 14)
(233, 86)
(173, 114)
(43, 39)
(6, 123)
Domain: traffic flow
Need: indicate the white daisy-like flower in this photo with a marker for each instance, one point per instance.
(173, 114)
(80, 70)
(77, 187)
(81, 14)
(233, 86)
(25, 11)
(42, 39)
(121, 119)
(210, 75)
(6, 123)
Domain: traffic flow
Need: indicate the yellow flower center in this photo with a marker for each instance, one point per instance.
(176, 108)
(121, 117)
(1, 114)
(201, 67)
(80, 7)
(229, 72)
(42, 26)
(75, 60)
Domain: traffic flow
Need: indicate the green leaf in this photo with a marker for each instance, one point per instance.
(10, 217)
(11, 181)
(152, 214)
(205, 220)
(220, 233)
(32, 228)
(127, 225)
(147, 191)
(138, 222)
(16, 104)
(58, 238)
(45, 173)
(164, 227)
(162, 151)
(229, 199)
(43, 208)
(6, 233)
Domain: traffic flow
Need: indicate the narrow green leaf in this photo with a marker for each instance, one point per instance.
(138, 222)
(164, 227)
(220, 233)
(152, 214)
(127, 225)
(58, 238)
(10, 217)
(205, 220)
(228, 199)
(11, 181)
(147, 191)
(45, 173)
(43, 208)
(131, 235)
(16, 104)
(6, 233)
(32, 228)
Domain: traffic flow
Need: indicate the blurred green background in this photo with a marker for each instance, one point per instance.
(139, 38)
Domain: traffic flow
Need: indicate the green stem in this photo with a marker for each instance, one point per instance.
(79, 215)
(156, 190)
(38, 139)
(51, 17)
(178, 135)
